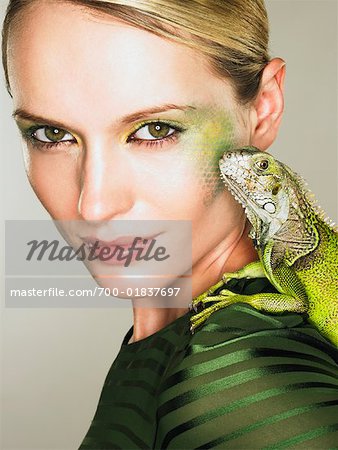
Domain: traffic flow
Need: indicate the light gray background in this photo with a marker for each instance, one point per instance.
(54, 361)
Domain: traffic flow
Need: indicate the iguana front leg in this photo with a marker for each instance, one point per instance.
(252, 270)
(266, 302)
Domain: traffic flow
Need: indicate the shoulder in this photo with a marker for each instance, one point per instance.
(243, 377)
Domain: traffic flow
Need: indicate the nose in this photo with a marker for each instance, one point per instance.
(106, 185)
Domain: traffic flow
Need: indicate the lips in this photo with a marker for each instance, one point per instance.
(121, 251)
(122, 241)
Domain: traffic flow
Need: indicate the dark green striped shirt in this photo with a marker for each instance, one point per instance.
(244, 380)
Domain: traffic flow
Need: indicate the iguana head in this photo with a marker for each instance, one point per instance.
(259, 182)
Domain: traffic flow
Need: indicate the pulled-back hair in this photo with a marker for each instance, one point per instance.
(233, 34)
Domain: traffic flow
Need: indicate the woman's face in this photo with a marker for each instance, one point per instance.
(121, 124)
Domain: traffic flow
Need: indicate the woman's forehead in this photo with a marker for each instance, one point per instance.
(60, 58)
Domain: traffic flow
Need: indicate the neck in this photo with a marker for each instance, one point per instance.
(230, 255)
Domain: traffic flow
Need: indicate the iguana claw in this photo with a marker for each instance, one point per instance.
(196, 306)
(192, 307)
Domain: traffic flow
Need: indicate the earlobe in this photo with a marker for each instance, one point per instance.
(269, 105)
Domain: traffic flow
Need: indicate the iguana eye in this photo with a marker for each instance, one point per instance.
(262, 164)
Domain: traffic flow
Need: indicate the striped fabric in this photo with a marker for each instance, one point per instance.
(243, 380)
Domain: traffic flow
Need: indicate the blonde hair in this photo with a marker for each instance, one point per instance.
(233, 34)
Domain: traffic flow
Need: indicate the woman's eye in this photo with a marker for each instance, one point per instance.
(52, 134)
(153, 131)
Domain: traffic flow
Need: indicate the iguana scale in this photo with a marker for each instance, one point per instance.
(297, 247)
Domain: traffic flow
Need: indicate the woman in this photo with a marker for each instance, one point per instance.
(125, 116)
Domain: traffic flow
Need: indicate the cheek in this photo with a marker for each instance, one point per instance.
(186, 191)
(209, 147)
(54, 181)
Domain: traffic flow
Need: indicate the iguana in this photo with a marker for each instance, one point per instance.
(297, 247)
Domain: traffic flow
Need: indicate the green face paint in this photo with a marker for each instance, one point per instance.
(213, 133)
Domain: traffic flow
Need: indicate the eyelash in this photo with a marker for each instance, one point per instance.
(29, 134)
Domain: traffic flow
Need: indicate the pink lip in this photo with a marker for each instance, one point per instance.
(123, 242)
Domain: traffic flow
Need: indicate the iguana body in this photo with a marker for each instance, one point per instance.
(297, 248)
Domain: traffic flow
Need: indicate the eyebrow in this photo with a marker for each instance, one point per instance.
(157, 109)
(19, 112)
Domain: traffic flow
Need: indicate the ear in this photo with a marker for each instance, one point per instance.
(267, 109)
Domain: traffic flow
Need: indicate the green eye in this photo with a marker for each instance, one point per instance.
(51, 134)
(54, 134)
(158, 130)
(153, 131)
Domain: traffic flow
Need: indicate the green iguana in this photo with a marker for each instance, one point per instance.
(297, 247)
